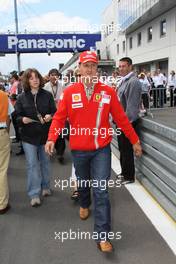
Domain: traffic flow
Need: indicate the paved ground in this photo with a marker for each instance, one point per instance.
(165, 116)
(27, 234)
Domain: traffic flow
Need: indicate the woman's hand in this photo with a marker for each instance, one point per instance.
(47, 118)
(26, 120)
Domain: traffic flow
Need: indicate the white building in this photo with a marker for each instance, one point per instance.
(147, 33)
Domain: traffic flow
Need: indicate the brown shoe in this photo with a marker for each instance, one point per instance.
(105, 246)
(84, 213)
(3, 211)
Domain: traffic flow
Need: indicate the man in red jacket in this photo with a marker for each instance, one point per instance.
(87, 104)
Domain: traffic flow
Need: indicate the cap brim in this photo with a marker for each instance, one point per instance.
(90, 60)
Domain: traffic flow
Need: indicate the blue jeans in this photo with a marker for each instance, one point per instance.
(38, 169)
(95, 165)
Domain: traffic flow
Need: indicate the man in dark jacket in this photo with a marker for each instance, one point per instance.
(129, 92)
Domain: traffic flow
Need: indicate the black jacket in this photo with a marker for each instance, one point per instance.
(34, 133)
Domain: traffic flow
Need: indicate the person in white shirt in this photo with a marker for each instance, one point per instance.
(154, 89)
(172, 88)
(158, 91)
(145, 90)
(55, 87)
(165, 88)
(160, 87)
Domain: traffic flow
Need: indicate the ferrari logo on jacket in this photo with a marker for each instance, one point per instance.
(97, 98)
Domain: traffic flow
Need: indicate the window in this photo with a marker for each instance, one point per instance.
(111, 28)
(131, 42)
(150, 33)
(124, 46)
(163, 28)
(118, 50)
(99, 54)
(139, 38)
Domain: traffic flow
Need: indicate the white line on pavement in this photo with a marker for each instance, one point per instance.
(159, 218)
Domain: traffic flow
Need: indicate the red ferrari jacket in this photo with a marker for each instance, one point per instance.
(89, 119)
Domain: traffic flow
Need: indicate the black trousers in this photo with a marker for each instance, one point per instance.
(145, 100)
(60, 146)
(155, 98)
(126, 154)
(172, 96)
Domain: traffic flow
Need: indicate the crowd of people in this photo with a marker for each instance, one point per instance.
(41, 108)
(157, 89)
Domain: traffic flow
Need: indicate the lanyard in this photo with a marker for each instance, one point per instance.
(35, 102)
(54, 91)
(42, 121)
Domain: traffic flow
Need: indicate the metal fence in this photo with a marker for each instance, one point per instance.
(162, 97)
(156, 169)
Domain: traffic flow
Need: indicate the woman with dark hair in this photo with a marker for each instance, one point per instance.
(35, 108)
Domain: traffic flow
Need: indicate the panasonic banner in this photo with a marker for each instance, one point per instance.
(31, 43)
